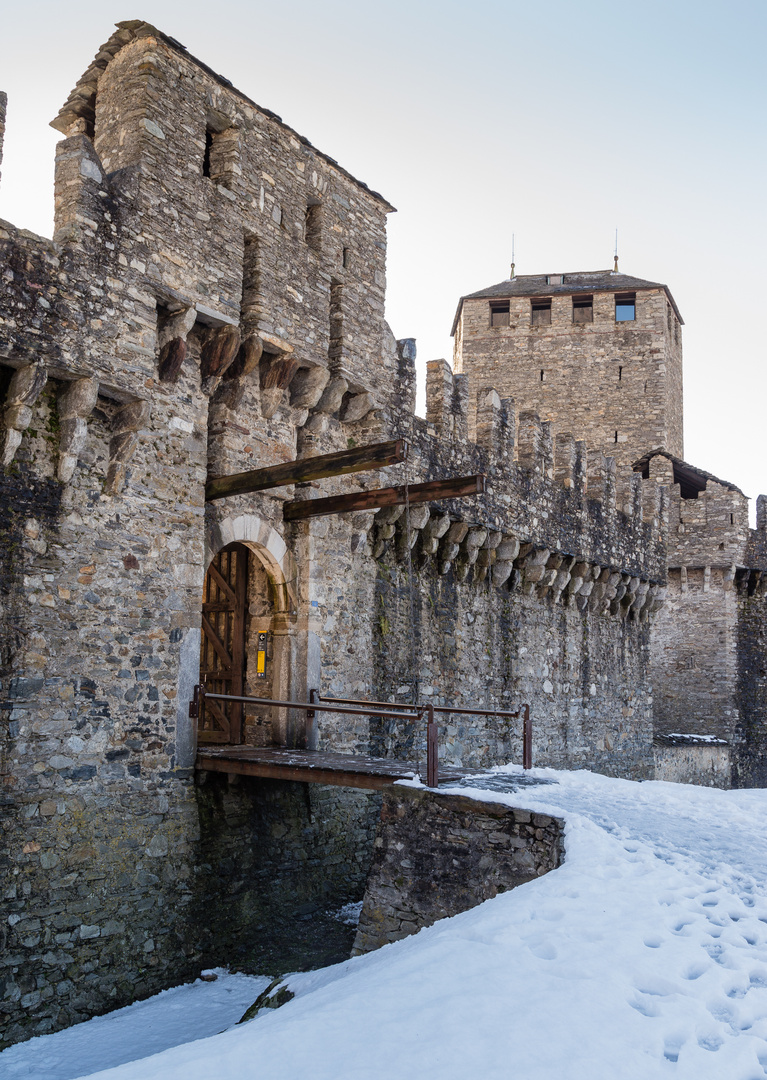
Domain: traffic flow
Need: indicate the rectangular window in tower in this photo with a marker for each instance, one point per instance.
(625, 307)
(499, 312)
(540, 312)
(313, 226)
(221, 153)
(583, 309)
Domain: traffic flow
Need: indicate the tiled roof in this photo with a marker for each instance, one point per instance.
(684, 473)
(572, 284)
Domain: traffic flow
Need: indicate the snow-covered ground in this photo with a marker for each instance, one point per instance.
(643, 956)
(168, 1019)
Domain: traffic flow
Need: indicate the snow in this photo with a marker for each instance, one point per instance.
(168, 1019)
(644, 955)
(696, 738)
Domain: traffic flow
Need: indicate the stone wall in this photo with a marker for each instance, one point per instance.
(694, 647)
(751, 736)
(707, 642)
(276, 861)
(436, 855)
(681, 760)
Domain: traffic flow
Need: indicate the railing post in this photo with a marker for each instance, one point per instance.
(432, 749)
(527, 738)
(312, 731)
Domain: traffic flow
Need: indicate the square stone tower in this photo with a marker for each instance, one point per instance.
(598, 353)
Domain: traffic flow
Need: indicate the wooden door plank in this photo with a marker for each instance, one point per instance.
(238, 641)
(217, 713)
(222, 583)
(216, 642)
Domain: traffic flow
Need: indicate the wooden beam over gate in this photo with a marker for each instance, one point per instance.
(359, 459)
(456, 488)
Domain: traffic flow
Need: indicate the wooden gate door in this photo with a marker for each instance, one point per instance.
(222, 651)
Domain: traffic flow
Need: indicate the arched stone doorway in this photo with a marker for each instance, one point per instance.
(249, 641)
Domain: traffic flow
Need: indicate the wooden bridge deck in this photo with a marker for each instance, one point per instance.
(316, 766)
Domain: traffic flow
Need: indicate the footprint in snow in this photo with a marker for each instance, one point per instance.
(653, 941)
(647, 1006)
(544, 950)
(672, 1045)
(710, 1042)
(694, 971)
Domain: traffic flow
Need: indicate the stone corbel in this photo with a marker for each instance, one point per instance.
(128, 421)
(75, 405)
(24, 390)
(308, 386)
(332, 395)
(357, 407)
(451, 545)
(416, 519)
(486, 556)
(432, 533)
(385, 523)
(505, 554)
(218, 354)
(278, 366)
(171, 339)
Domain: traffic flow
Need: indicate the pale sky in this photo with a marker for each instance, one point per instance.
(555, 122)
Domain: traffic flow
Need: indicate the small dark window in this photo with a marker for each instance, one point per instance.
(541, 376)
(625, 307)
(583, 309)
(499, 313)
(540, 312)
(206, 155)
(346, 259)
(313, 226)
(620, 374)
(616, 436)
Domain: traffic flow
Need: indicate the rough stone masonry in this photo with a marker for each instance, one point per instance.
(211, 302)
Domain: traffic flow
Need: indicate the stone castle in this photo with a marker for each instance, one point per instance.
(212, 302)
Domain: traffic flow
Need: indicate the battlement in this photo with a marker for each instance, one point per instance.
(509, 438)
(558, 520)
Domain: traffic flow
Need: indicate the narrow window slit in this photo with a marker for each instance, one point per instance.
(206, 155)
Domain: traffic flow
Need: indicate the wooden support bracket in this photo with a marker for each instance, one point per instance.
(360, 459)
(456, 488)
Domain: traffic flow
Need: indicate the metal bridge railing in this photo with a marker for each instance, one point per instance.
(386, 709)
